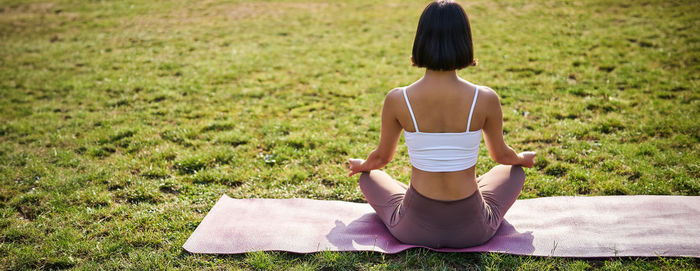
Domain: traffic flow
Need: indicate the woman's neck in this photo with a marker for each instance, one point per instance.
(440, 77)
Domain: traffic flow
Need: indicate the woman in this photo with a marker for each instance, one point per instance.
(442, 117)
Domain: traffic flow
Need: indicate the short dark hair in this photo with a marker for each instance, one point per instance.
(443, 38)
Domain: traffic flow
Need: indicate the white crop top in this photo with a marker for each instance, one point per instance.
(442, 152)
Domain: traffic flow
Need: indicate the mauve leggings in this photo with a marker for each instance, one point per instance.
(415, 219)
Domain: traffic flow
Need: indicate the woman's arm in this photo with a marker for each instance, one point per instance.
(493, 135)
(389, 138)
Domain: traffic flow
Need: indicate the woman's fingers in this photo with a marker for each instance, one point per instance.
(355, 162)
(528, 158)
(531, 159)
(354, 165)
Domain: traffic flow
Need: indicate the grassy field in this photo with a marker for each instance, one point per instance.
(122, 122)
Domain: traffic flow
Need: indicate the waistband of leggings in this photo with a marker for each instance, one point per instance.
(414, 191)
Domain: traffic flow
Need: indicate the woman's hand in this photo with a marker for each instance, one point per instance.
(527, 159)
(355, 166)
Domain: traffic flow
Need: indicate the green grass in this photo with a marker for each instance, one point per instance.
(122, 122)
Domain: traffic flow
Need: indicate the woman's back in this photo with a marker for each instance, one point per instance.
(440, 108)
(441, 103)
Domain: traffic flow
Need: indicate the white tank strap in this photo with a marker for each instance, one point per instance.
(471, 111)
(415, 125)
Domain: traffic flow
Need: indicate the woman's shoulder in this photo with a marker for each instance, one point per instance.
(483, 90)
(395, 94)
(488, 98)
(487, 92)
(393, 97)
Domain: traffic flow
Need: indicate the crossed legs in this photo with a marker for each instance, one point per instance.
(499, 187)
(383, 193)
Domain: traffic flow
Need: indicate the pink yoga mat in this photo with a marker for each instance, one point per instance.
(605, 226)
